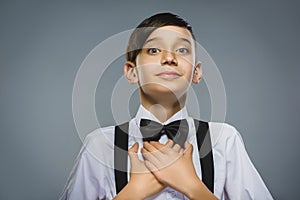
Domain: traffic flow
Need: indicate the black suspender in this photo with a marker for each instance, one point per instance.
(205, 153)
(204, 147)
(120, 156)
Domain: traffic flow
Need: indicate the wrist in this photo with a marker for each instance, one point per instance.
(129, 192)
(197, 190)
(192, 190)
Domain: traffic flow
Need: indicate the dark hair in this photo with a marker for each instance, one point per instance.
(146, 27)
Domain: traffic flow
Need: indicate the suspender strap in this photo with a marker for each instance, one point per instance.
(120, 156)
(205, 152)
(204, 147)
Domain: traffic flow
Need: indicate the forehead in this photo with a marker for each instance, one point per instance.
(170, 33)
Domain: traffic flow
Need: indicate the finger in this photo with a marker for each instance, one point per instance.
(149, 147)
(136, 165)
(155, 152)
(189, 149)
(134, 148)
(186, 144)
(170, 143)
(176, 148)
(132, 152)
(151, 167)
(167, 147)
(181, 151)
(150, 156)
(157, 145)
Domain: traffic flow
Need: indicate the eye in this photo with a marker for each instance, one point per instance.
(153, 50)
(182, 51)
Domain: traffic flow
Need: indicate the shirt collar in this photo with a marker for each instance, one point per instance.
(143, 113)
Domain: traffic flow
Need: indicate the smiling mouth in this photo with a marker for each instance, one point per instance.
(168, 75)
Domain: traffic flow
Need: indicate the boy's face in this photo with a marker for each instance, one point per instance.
(167, 61)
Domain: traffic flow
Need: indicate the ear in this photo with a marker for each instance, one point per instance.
(197, 75)
(130, 72)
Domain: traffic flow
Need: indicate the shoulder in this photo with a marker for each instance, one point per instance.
(99, 144)
(104, 137)
(223, 133)
(100, 136)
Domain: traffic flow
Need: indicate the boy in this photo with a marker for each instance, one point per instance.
(162, 139)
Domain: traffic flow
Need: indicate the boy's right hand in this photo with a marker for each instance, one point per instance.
(140, 176)
(142, 183)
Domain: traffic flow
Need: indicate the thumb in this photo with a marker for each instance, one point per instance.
(134, 148)
(136, 165)
(188, 149)
(132, 152)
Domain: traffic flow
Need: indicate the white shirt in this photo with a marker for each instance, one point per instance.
(92, 176)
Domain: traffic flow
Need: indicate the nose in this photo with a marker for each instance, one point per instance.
(168, 58)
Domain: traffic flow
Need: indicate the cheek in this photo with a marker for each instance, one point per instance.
(189, 74)
(147, 67)
(187, 66)
(144, 73)
(186, 60)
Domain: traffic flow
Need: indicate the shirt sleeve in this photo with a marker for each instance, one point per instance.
(242, 179)
(87, 178)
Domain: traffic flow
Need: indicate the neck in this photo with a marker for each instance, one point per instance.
(163, 107)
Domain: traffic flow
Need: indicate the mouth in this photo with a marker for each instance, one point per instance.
(169, 75)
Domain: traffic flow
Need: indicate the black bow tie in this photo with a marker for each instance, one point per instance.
(177, 130)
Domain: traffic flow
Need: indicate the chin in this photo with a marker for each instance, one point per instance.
(157, 90)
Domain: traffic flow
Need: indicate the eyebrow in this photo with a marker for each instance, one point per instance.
(152, 39)
(159, 39)
(185, 40)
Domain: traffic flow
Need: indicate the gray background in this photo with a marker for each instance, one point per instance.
(255, 44)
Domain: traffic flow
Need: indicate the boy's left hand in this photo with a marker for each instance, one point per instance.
(173, 166)
(170, 164)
